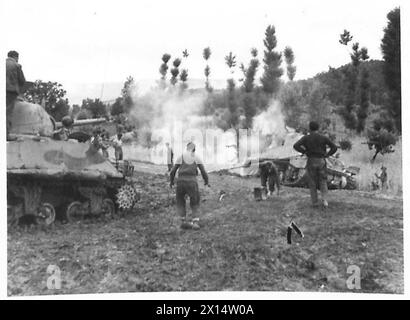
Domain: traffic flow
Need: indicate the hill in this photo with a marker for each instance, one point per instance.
(334, 81)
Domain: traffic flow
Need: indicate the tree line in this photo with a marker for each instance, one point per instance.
(364, 93)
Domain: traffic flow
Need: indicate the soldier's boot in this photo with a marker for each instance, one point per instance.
(195, 224)
(185, 224)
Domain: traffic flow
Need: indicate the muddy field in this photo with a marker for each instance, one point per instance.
(241, 245)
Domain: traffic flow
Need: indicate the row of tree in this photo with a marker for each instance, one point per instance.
(351, 90)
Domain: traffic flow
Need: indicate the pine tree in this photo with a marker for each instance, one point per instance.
(364, 94)
(164, 68)
(183, 76)
(249, 73)
(355, 117)
(207, 71)
(391, 50)
(127, 93)
(233, 121)
(175, 71)
(230, 61)
(272, 61)
(290, 59)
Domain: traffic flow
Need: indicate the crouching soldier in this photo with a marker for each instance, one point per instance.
(187, 166)
(270, 175)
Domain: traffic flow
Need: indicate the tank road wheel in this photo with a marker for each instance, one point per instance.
(108, 208)
(14, 212)
(75, 211)
(46, 214)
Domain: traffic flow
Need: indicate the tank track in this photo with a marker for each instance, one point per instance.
(28, 194)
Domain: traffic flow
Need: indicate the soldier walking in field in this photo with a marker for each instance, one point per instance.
(314, 146)
(187, 166)
(117, 144)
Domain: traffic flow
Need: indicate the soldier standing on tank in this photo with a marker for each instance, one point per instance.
(104, 144)
(117, 144)
(187, 166)
(15, 81)
(314, 145)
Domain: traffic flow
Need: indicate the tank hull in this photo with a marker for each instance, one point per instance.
(45, 173)
(293, 173)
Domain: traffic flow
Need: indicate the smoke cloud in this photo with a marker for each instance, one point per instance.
(175, 117)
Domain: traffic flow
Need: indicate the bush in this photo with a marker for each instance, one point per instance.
(382, 141)
(83, 114)
(383, 122)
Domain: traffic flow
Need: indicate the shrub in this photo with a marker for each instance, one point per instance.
(382, 141)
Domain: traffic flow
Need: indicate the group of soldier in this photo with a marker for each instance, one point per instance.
(314, 145)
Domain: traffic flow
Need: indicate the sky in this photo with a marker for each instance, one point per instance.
(83, 42)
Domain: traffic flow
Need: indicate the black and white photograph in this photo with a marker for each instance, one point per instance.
(203, 148)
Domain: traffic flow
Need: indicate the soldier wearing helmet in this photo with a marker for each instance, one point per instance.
(64, 132)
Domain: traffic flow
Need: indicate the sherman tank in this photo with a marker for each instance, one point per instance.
(293, 173)
(46, 177)
(291, 166)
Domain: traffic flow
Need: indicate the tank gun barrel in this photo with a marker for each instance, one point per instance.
(84, 122)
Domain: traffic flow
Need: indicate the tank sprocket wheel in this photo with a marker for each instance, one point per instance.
(46, 214)
(108, 208)
(74, 211)
(127, 196)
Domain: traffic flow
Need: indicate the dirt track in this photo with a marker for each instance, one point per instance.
(241, 245)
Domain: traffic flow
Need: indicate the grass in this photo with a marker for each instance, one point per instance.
(360, 156)
(241, 245)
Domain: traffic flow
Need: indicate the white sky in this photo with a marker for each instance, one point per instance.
(105, 41)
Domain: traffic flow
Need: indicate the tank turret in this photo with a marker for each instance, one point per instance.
(32, 119)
